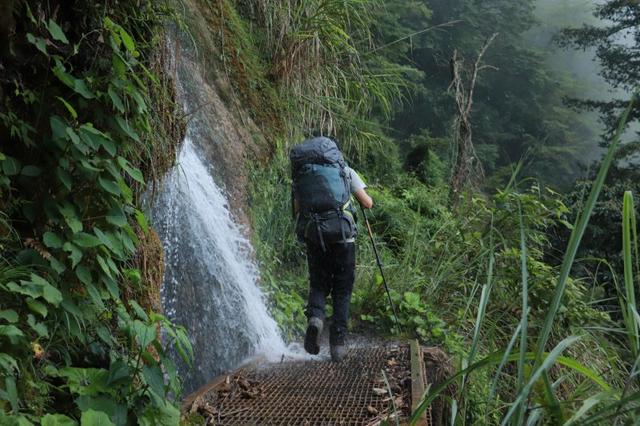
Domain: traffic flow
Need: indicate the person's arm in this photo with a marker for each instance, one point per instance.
(363, 198)
(358, 190)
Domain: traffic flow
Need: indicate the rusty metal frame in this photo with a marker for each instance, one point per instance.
(352, 392)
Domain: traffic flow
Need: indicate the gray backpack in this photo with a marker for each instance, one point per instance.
(322, 187)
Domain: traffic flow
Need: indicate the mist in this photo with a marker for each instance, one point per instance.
(580, 67)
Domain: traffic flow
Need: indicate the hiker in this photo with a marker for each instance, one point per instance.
(326, 222)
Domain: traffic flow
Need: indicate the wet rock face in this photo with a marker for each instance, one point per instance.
(210, 282)
(218, 124)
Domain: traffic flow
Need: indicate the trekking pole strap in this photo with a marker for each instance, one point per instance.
(379, 262)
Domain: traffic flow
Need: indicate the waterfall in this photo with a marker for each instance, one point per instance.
(210, 283)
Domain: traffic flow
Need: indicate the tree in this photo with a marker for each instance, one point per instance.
(617, 46)
(517, 111)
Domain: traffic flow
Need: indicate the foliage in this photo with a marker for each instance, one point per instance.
(518, 108)
(77, 133)
(616, 44)
(314, 51)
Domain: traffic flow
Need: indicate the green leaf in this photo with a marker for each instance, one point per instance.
(80, 87)
(127, 41)
(38, 327)
(96, 138)
(116, 217)
(112, 287)
(112, 265)
(8, 364)
(153, 376)
(38, 42)
(57, 420)
(37, 307)
(135, 173)
(116, 412)
(31, 171)
(57, 266)
(70, 216)
(118, 371)
(86, 240)
(127, 193)
(112, 245)
(116, 100)
(109, 186)
(10, 331)
(12, 393)
(75, 254)
(71, 133)
(138, 310)
(71, 109)
(84, 275)
(144, 334)
(60, 72)
(49, 292)
(56, 32)
(134, 276)
(9, 315)
(95, 418)
(65, 178)
(85, 381)
(52, 240)
(103, 265)
(124, 125)
(95, 296)
(10, 166)
(58, 127)
(142, 221)
(26, 288)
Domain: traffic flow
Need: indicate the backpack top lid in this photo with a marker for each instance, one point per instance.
(318, 150)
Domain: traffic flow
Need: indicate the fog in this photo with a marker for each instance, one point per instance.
(579, 67)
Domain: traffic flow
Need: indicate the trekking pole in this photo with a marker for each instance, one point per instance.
(384, 280)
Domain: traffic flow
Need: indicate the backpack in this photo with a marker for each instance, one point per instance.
(322, 186)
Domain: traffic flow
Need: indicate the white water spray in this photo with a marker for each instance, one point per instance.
(210, 284)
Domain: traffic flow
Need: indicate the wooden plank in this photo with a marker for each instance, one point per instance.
(418, 380)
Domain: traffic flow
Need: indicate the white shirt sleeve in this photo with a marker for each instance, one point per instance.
(356, 181)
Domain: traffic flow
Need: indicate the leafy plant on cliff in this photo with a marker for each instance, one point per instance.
(75, 124)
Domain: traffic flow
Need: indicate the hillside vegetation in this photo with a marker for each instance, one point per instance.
(499, 245)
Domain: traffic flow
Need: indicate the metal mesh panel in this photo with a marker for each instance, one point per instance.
(352, 392)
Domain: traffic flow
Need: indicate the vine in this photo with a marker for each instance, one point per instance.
(75, 125)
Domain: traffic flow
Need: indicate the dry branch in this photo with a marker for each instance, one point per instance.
(467, 168)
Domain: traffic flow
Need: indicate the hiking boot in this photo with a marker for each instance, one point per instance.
(312, 338)
(338, 352)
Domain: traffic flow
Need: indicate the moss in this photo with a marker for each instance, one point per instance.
(231, 46)
(149, 260)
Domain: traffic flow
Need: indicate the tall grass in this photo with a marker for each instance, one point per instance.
(314, 48)
(629, 250)
(533, 366)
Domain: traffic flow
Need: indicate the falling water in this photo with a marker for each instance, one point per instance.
(210, 284)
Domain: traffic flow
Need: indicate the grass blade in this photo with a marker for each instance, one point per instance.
(576, 236)
(546, 363)
(495, 358)
(629, 240)
(525, 310)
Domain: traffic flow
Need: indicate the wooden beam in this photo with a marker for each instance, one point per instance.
(418, 380)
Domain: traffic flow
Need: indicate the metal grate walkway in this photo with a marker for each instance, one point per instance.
(353, 392)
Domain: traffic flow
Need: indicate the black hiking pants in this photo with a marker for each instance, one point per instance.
(331, 272)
